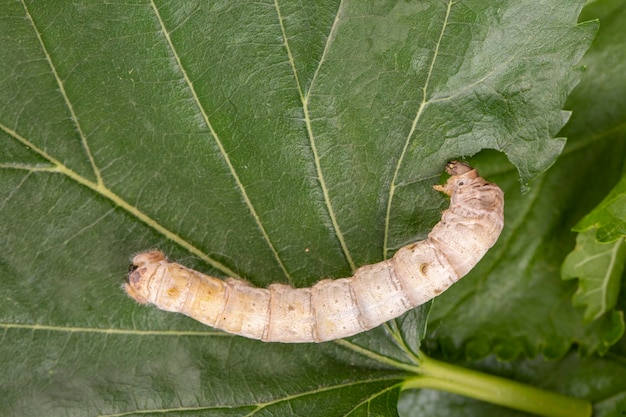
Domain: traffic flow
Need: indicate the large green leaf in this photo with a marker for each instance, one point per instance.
(279, 142)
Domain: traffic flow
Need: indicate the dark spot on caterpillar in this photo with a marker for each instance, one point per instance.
(423, 268)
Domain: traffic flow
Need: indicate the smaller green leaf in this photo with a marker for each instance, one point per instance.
(600, 254)
(609, 216)
(599, 267)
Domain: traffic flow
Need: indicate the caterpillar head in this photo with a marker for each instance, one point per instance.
(461, 174)
(142, 271)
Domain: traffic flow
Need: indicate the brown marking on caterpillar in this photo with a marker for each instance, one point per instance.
(333, 309)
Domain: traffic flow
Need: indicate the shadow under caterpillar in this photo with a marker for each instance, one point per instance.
(333, 309)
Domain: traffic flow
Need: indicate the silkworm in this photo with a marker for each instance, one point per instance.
(333, 309)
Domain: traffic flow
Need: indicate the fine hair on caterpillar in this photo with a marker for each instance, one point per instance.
(333, 309)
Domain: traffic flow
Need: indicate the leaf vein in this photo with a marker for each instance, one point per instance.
(607, 278)
(259, 406)
(377, 356)
(317, 391)
(110, 331)
(165, 410)
(220, 145)
(304, 98)
(68, 103)
(101, 189)
(10, 195)
(398, 339)
(371, 397)
(393, 184)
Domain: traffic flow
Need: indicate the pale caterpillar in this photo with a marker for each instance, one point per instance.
(333, 309)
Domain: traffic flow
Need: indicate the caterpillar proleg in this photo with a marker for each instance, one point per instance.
(333, 309)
